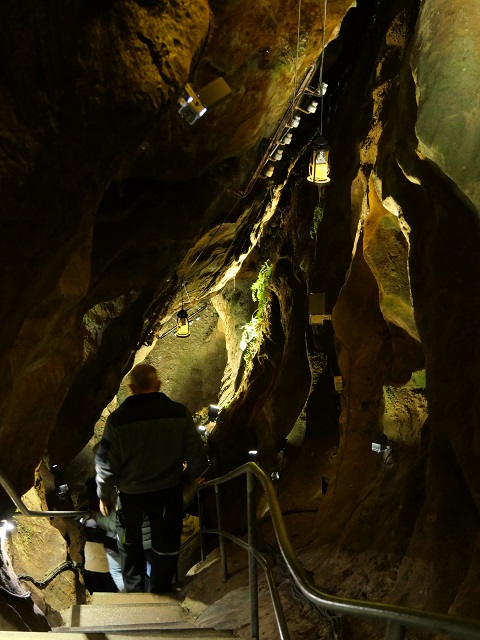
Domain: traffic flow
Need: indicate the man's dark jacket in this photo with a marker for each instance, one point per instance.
(145, 444)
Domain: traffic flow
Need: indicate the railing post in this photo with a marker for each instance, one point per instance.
(201, 524)
(395, 631)
(252, 563)
(221, 540)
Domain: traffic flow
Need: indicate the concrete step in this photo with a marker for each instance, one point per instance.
(100, 597)
(162, 634)
(133, 613)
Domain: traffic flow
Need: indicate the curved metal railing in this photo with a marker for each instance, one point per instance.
(23, 509)
(397, 618)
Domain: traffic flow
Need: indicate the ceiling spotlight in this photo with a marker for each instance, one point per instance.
(213, 412)
(191, 108)
(193, 104)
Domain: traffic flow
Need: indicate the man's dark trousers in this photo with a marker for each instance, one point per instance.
(164, 510)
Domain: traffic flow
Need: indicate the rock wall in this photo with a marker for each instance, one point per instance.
(397, 255)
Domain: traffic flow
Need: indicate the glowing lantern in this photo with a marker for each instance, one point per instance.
(318, 168)
(183, 326)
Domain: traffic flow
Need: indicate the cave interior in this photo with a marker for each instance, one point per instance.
(332, 322)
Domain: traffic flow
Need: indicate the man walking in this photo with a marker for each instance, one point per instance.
(144, 448)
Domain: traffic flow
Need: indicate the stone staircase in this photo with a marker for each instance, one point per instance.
(120, 616)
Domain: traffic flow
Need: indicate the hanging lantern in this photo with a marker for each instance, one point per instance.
(318, 168)
(183, 326)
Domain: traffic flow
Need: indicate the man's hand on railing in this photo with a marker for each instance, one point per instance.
(106, 506)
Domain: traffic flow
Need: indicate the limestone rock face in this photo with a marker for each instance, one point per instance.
(445, 64)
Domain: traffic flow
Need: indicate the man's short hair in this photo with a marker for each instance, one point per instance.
(144, 377)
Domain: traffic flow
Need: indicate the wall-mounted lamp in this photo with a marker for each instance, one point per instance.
(191, 107)
(380, 443)
(183, 326)
(318, 168)
(202, 430)
(213, 412)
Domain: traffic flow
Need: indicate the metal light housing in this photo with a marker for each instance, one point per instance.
(318, 168)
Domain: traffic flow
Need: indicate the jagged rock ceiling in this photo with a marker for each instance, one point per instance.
(110, 201)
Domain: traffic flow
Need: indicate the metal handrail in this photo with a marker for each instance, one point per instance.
(25, 511)
(397, 618)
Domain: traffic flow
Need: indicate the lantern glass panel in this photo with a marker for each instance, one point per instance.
(318, 168)
(183, 326)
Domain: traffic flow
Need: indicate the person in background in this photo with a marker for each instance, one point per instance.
(101, 548)
(110, 544)
(144, 447)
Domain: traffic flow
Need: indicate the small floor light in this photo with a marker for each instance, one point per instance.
(318, 168)
(183, 326)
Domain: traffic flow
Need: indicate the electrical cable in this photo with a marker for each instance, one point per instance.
(321, 64)
(212, 235)
(295, 78)
(334, 621)
(41, 584)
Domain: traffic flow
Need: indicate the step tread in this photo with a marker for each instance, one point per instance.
(98, 634)
(105, 597)
(127, 626)
(105, 615)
